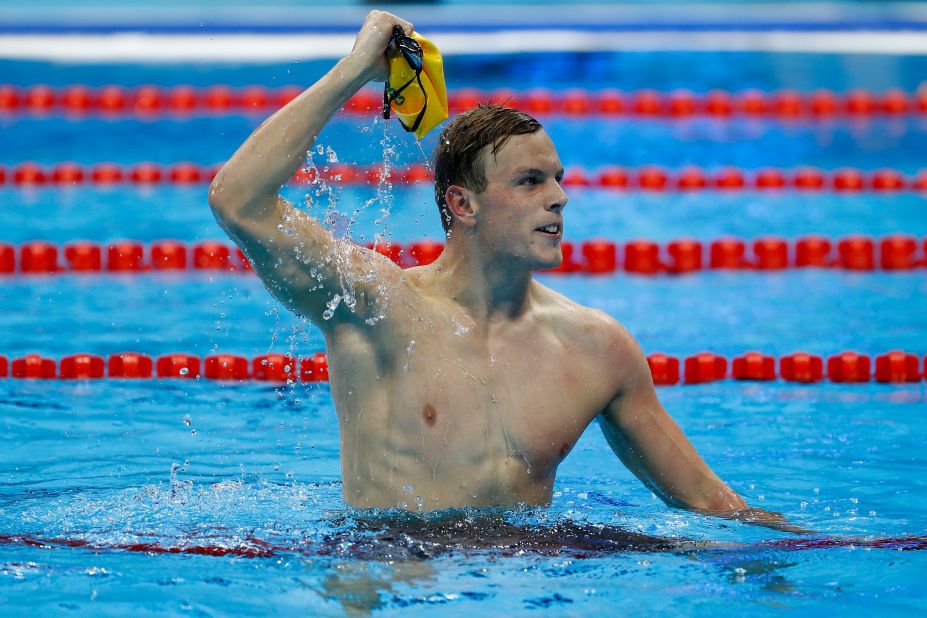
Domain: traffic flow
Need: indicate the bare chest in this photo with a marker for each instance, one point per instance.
(441, 392)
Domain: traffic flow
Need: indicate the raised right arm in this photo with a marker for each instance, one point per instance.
(298, 259)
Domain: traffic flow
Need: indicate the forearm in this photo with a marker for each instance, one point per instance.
(654, 448)
(252, 177)
(717, 499)
(681, 478)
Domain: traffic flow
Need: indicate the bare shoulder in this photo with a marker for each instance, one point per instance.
(593, 329)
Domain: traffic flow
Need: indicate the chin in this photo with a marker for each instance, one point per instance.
(546, 262)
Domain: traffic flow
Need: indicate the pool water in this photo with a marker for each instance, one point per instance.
(191, 497)
(134, 470)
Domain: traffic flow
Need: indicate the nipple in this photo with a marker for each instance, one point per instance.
(429, 414)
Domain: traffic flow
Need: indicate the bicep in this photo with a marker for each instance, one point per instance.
(309, 270)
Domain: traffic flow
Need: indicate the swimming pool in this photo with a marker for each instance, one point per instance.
(203, 497)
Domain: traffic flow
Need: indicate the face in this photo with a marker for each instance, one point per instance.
(520, 214)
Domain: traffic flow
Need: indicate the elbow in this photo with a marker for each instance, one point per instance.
(234, 203)
(218, 199)
(223, 204)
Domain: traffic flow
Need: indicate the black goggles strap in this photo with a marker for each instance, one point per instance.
(406, 46)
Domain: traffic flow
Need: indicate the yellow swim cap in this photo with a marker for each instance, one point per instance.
(415, 90)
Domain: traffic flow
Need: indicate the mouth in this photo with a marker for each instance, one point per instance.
(554, 230)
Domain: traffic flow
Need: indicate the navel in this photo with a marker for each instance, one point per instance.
(429, 414)
(564, 450)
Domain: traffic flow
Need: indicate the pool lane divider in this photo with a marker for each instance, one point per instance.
(897, 252)
(647, 178)
(896, 367)
(153, 100)
(534, 541)
(266, 367)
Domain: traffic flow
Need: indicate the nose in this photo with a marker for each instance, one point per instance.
(558, 199)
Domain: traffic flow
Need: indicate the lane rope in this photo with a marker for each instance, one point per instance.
(896, 252)
(538, 540)
(528, 540)
(646, 178)
(153, 100)
(849, 367)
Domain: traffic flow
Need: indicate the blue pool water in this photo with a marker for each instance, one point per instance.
(200, 498)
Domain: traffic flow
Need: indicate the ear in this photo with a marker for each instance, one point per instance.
(461, 205)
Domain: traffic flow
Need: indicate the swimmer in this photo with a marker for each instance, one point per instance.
(463, 383)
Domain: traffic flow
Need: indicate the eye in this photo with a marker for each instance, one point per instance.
(528, 180)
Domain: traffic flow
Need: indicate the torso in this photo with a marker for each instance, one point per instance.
(434, 414)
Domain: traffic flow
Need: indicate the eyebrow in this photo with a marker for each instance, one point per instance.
(535, 171)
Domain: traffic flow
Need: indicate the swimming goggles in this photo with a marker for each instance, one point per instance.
(415, 57)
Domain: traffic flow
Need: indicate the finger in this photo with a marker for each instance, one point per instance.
(407, 26)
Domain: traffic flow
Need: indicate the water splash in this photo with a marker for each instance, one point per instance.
(331, 306)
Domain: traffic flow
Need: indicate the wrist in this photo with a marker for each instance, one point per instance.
(357, 67)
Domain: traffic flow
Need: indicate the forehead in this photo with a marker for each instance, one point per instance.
(532, 150)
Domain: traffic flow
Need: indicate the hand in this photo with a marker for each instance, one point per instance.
(372, 41)
(768, 519)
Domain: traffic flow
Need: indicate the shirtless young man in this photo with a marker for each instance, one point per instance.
(504, 374)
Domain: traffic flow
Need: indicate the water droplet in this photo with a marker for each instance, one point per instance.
(407, 489)
(410, 349)
(331, 306)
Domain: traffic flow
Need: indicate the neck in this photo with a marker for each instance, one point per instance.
(490, 287)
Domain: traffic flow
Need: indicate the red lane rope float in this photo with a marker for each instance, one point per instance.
(127, 256)
(648, 178)
(150, 100)
(897, 252)
(894, 367)
(847, 367)
(133, 365)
